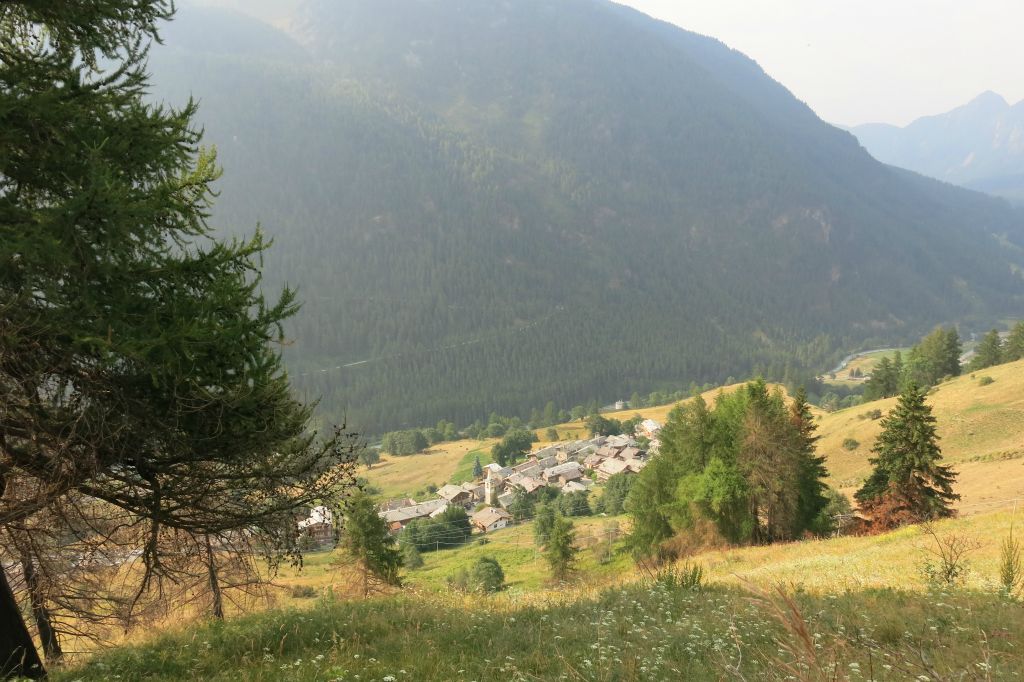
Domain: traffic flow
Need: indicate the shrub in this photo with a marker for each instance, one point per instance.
(1010, 575)
(411, 557)
(303, 592)
(947, 565)
(985, 381)
(850, 444)
(685, 577)
(486, 575)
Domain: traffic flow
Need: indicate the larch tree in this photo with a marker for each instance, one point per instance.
(561, 550)
(142, 394)
(369, 543)
(1015, 343)
(988, 353)
(908, 484)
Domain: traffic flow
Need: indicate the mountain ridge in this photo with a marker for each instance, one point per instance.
(978, 145)
(493, 216)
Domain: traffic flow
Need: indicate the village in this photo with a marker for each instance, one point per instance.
(569, 467)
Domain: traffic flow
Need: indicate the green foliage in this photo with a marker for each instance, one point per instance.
(486, 575)
(369, 456)
(613, 500)
(1015, 343)
(749, 466)
(367, 539)
(141, 381)
(985, 381)
(551, 434)
(449, 529)
(522, 506)
(411, 557)
(988, 353)
(908, 484)
(543, 522)
(688, 576)
(886, 379)
(515, 445)
(837, 505)
(850, 443)
(560, 551)
(936, 357)
(1011, 575)
(574, 504)
(408, 442)
(598, 425)
(478, 469)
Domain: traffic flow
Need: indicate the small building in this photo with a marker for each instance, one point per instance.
(563, 473)
(476, 490)
(593, 461)
(456, 494)
(391, 505)
(319, 525)
(649, 428)
(530, 484)
(610, 467)
(490, 518)
(631, 453)
(620, 404)
(579, 486)
(397, 519)
(620, 441)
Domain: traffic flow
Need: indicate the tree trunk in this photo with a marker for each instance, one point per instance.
(18, 655)
(211, 567)
(41, 614)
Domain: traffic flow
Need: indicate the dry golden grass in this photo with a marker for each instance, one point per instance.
(980, 423)
(399, 476)
(893, 560)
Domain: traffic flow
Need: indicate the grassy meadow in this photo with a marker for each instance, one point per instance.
(846, 608)
(981, 429)
(656, 628)
(865, 363)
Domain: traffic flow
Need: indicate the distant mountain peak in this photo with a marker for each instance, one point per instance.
(979, 145)
(989, 100)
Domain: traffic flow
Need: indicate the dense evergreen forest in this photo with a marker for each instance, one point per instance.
(486, 206)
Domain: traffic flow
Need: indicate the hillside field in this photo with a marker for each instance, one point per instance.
(839, 609)
(981, 427)
(444, 462)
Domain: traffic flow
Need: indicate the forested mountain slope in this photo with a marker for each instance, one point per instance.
(488, 205)
(979, 145)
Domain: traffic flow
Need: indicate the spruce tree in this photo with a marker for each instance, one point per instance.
(812, 472)
(908, 483)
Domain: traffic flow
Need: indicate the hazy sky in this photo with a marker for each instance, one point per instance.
(852, 61)
(859, 61)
